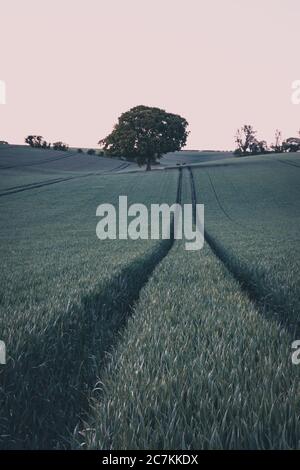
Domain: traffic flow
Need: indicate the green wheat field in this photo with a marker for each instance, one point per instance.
(140, 344)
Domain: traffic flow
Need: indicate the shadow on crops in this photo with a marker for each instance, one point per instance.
(44, 393)
(45, 388)
(274, 305)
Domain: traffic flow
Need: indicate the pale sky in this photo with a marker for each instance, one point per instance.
(71, 67)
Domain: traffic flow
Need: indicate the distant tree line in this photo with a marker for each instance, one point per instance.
(144, 134)
(38, 141)
(248, 144)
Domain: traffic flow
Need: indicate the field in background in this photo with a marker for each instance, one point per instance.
(141, 344)
(189, 157)
(22, 167)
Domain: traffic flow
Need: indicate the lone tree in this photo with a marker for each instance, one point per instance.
(277, 146)
(145, 134)
(245, 138)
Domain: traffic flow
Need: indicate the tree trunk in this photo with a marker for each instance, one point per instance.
(148, 165)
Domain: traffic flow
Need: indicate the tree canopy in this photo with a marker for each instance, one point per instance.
(145, 134)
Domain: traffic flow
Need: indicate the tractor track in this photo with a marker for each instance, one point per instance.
(129, 281)
(194, 197)
(193, 193)
(29, 185)
(237, 224)
(265, 305)
(213, 244)
(41, 162)
(40, 184)
(179, 187)
(218, 199)
(288, 162)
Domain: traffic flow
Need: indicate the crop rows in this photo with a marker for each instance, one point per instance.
(252, 223)
(64, 298)
(122, 344)
(198, 366)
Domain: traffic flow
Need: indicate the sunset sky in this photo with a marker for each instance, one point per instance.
(71, 67)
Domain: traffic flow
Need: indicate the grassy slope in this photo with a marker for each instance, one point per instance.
(21, 166)
(197, 367)
(21, 156)
(63, 297)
